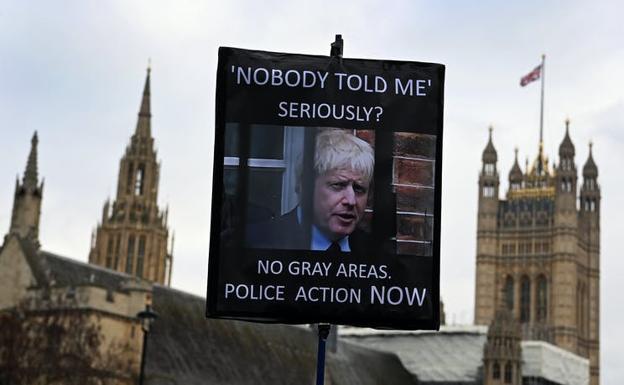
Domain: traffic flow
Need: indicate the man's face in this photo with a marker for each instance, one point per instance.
(340, 198)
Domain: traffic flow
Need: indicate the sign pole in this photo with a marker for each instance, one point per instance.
(337, 47)
(324, 329)
(323, 332)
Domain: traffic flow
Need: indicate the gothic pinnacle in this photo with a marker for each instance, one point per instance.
(144, 123)
(30, 174)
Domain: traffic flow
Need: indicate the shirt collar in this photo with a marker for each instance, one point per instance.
(321, 242)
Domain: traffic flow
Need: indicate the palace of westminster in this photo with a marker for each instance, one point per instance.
(537, 279)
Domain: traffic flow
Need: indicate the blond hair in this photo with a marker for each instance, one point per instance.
(338, 149)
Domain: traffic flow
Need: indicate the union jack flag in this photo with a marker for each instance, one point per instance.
(531, 76)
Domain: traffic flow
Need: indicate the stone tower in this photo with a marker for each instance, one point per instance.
(502, 353)
(133, 235)
(27, 200)
(538, 250)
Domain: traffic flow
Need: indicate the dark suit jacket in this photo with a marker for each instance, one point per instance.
(285, 232)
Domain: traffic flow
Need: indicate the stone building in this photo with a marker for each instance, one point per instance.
(24, 226)
(184, 347)
(537, 277)
(43, 283)
(133, 234)
(538, 250)
(27, 199)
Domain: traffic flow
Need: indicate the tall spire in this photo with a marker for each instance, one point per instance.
(144, 124)
(30, 174)
(133, 235)
(27, 200)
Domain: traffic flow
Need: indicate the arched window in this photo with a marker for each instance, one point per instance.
(109, 253)
(508, 373)
(130, 256)
(542, 298)
(489, 169)
(496, 371)
(117, 252)
(130, 176)
(140, 257)
(139, 181)
(509, 293)
(525, 299)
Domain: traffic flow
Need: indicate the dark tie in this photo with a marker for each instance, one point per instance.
(334, 248)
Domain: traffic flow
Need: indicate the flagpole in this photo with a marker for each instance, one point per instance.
(541, 138)
(543, 74)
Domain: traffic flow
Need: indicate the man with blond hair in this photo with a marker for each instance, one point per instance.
(343, 172)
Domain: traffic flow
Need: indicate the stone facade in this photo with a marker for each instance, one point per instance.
(133, 234)
(502, 352)
(538, 251)
(49, 285)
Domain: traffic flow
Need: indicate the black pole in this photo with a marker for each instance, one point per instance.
(323, 329)
(323, 332)
(337, 47)
(141, 373)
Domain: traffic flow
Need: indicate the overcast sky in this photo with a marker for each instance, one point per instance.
(74, 72)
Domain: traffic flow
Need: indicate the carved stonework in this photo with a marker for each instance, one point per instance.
(538, 253)
(133, 235)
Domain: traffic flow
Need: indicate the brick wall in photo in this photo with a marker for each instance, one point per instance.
(414, 183)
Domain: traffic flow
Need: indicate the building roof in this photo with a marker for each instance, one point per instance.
(193, 350)
(64, 271)
(186, 348)
(454, 355)
(541, 359)
(451, 356)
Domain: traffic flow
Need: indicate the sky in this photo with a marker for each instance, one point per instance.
(74, 70)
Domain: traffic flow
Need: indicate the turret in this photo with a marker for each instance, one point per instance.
(488, 179)
(589, 293)
(590, 192)
(502, 352)
(566, 172)
(564, 243)
(515, 175)
(486, 235)
(27, 200)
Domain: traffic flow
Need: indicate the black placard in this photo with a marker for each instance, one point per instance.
(316, 152)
